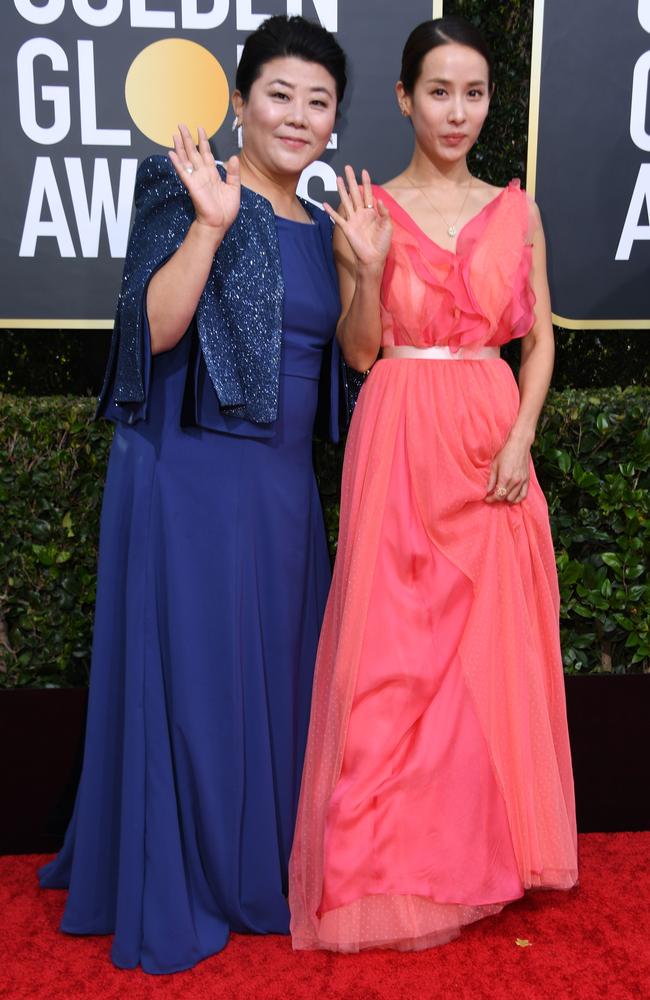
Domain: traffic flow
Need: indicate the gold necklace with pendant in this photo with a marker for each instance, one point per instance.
(452, 227)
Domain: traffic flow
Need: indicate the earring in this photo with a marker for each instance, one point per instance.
(235, 124)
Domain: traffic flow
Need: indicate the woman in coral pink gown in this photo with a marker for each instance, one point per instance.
(437, 785)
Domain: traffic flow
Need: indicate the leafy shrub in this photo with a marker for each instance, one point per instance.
(50, 491)
(592, 456)
(593, 460)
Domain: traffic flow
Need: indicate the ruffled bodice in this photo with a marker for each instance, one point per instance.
(479, 295)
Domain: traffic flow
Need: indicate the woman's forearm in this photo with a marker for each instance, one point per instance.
(538, 347)
(359, 330)
(535, 372)
(174, 291)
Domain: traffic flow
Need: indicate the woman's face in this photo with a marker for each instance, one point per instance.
(289, 115)
(449, 102)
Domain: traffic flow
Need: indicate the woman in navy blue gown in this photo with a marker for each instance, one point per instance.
(213, 565)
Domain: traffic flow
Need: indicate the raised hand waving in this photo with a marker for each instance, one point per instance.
(216, 202)
(365, 224)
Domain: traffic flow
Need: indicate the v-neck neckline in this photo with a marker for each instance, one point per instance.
(420, 231)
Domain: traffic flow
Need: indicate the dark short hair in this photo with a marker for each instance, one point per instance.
(281, 36)
(448, 30)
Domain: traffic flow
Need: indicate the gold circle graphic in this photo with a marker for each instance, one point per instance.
(175, 80)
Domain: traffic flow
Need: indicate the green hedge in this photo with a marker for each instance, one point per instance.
(592, 456)
(593, 460)
(50, 494)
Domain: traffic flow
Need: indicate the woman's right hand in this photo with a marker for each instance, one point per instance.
(216, 202)
(366, 226)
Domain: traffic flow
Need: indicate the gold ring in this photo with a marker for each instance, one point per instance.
(500, 492)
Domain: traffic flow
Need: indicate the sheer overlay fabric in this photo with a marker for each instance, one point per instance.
(437, 782)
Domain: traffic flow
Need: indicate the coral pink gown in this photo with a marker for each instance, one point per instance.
(437, 783)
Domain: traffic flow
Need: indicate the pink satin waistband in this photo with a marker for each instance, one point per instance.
(441, 353)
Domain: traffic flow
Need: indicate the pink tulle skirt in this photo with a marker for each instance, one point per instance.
(437, 782)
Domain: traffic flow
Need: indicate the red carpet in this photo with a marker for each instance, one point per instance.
(591, 943)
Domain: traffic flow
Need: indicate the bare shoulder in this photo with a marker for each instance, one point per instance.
(393, 183)
(535, 225)
(533, 209)
(484, 187)
(484, 192)
(403, 193)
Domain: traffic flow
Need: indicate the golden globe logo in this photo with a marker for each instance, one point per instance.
(76, 196)
(175, 80)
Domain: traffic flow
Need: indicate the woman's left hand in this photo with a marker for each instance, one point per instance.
(509, 473)
(366, 226)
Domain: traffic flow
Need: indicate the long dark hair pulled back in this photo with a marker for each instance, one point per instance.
(448, 30)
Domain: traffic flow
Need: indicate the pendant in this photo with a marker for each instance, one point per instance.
(452, 230)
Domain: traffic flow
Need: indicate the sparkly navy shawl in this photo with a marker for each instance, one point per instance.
(234, 382)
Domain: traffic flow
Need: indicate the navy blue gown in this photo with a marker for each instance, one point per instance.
(212, 581)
